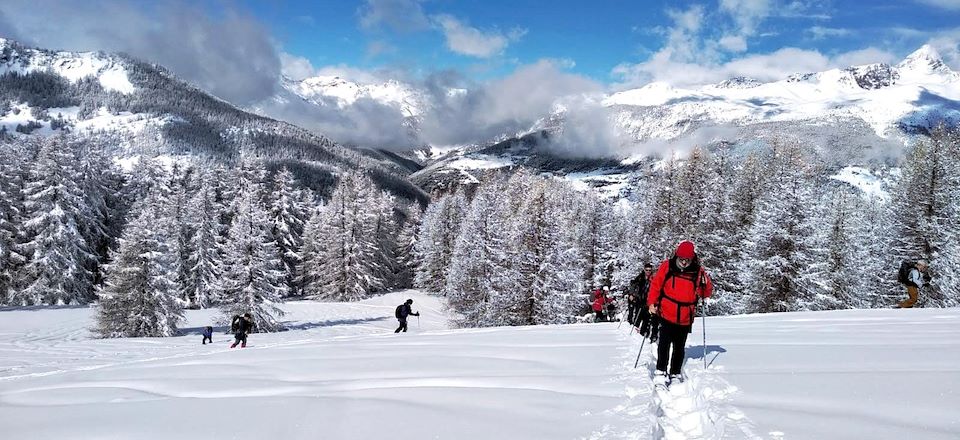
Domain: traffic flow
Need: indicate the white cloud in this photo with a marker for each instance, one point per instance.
(869, 55)
(772, 66)
(733, 43)
(398, 15)
(820, 32)
(466, 40)
(296, 67)
(747, 14)
(952, 5)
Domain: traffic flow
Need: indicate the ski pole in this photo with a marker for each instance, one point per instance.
(418, 322)
(644, 341)
(621, 319)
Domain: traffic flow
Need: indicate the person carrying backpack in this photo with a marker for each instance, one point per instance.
(241, 326)
(600, 301)
(913, 276)
(647, 324)
(403, 310)
(207, 334)
(674, 292)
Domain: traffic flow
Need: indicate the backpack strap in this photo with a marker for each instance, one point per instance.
(696, 288)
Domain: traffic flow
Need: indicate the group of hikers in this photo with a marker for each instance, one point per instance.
(662, 305)
(242, 325)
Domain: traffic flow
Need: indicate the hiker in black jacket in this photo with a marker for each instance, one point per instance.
(241, 326)
(403, 310)
(647, 324)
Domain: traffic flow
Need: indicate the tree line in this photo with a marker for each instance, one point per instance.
(775, 232)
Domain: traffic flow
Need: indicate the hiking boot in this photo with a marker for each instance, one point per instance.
(660, 379)
(676, 378)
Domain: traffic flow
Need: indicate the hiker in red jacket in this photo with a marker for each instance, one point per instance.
(600, 301)
(674, 291)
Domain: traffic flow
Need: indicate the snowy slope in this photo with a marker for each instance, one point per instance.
(341, 373)
(321, 90)
(73, 66)
(917, 92)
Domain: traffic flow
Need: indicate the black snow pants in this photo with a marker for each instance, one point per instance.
(672, 336)
(403, 326)
(241, 338)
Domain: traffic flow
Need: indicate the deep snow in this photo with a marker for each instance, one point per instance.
(340, 372)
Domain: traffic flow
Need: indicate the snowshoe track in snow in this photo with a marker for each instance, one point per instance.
(696, 407)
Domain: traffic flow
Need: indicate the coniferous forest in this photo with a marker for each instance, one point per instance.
(517, 249)
(774, 232)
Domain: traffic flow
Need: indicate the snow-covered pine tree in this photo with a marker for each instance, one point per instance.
(924, 212)
(289, 212)
(406, 258)
(139, 297)
(561, 273)
(254, 280)
(11, 210)
(783, 263)
(57, 270)
(100, 183)
(844, 256)
(479, 259)
(204, 285)
(438, 232)
(345, 266)
(528, 294)
(177, 205)
(384, 236)
(719, 250)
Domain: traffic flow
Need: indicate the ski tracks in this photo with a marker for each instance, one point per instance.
(697, 408)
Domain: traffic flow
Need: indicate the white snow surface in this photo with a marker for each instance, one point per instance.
(341, 373)
(863, 179)
(73, 66)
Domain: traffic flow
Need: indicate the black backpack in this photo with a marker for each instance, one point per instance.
(903, 276)
(397, 313)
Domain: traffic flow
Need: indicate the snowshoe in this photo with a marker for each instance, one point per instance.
(661, 381)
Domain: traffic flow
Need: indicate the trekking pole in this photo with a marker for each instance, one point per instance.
(703, 324)
(644, 341)
(621, 319)
(418, 322)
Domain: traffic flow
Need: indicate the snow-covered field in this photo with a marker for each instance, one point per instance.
(340, 373)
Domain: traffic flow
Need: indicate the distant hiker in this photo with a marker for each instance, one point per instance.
(633, 297)
(403, 310)
(914, 276)
(647, 324)
(207, 335)
(600, 301)
(611, 304)
(674, 291)
(241, 327)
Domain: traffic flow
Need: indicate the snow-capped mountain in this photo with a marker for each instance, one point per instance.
(144, 110)
(892, 101)
(327, 90)
(109, 72)
(856, 115)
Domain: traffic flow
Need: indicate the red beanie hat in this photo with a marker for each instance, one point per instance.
(685, 250)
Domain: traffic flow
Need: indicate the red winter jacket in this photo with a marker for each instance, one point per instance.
(675, 292)
(599, 300)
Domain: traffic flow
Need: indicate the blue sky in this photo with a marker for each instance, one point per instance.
(603, 40)
(238, 49)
